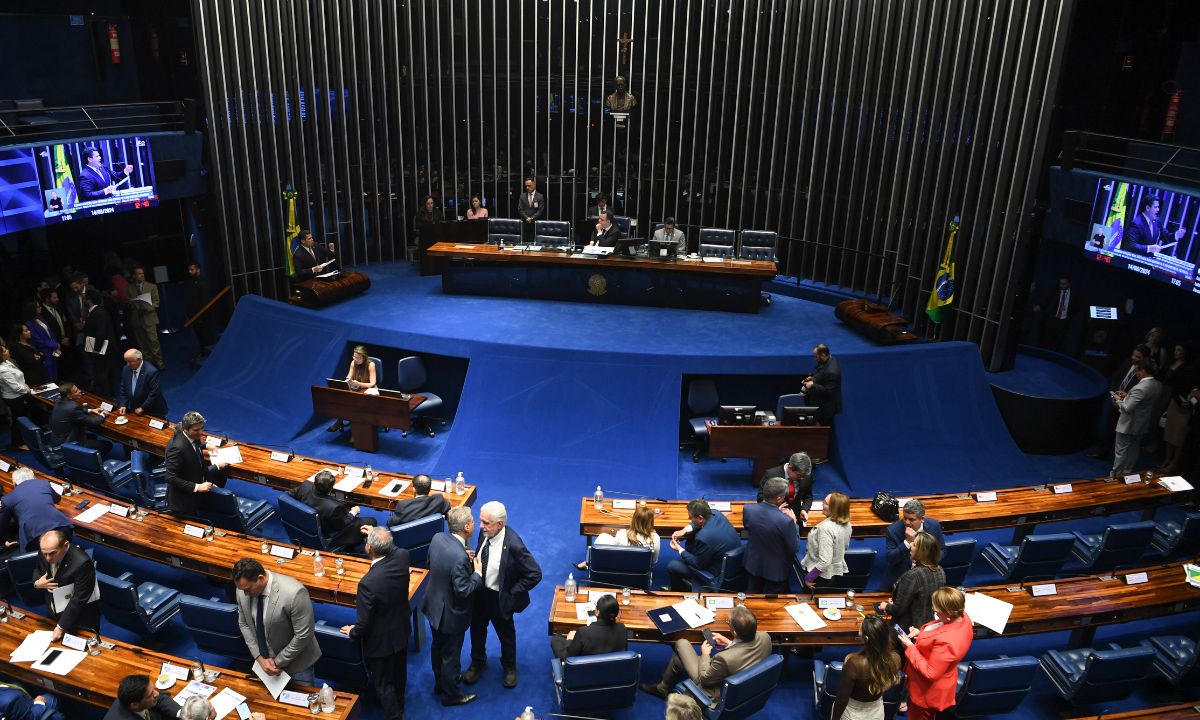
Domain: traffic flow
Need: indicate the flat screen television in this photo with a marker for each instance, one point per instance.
(736, 415)
(95, 177)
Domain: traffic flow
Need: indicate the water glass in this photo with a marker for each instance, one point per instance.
(741, 598)
(339, 563)
(314, 704)
(626, 595)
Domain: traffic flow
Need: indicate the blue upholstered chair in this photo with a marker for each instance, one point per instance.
(143, 609)
(620, 566)
(702, 402)
(1036, 556)
(223, 509)
(20, 568)
(86, 466)
(214, 626)
(551, 232)
(993, 687)
(341, 657)
(302, 523)
(1174, 539)
(1085, 675)
(592, 684)
(758, 245)
(827, 678)
(415, 536)
(624, 225)
(504, 230)
(791, 400)
(1174, 656)
(149, 485)
(411, 372)
(956, 560)
(730, 578)
(41, 443)
(742, 694)
(859, 563)
(1120, 544)
(716, 242)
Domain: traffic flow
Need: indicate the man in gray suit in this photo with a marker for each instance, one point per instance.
(668, 232)
(454, 576)
(709, 671)
(275, 615)
(1136, 409)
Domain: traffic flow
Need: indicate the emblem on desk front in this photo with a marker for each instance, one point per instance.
(597, 285)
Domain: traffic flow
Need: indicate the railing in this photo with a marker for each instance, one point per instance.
(1155, 161)
(24, 121)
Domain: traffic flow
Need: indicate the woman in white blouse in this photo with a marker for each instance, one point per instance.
(825, 553)
(640, 532)
(16, 395)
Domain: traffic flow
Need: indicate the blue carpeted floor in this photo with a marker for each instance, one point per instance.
(561, 397)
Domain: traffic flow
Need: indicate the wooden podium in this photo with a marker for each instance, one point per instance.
(365, 413)
(767, 444)
(317, 292)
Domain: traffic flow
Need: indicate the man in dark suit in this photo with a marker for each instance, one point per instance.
(383, 621)
(311, 259)
(531, 206)
(422, 505)
(17, 704)
(97, 181)
(137, 699)
(32, 503)
(798, 472)
(509, 573)
(899, 538)
(711, 536)
(453, 578)
(70, 421)
(824, 387)
(197, 295)
(603, 636)
(606, 234)
(773, 537)
(139, 388)
(1146, 234)
(341, 526)
(99, 345)
(61, 564)
(188, 472)
(1058, 309)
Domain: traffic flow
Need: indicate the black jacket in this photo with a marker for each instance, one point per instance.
(594, 639)
(185, 470)
(76, 567)
(384, 618)
(68, 422)
(450, 586)
(164, 709)
(519, 572)
(826, 390)
(305, 263)
(418, 507)
(338, 524)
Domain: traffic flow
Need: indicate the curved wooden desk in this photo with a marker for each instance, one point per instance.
(160, 538)
(1182, 711)
(257, 465)
(95, 679)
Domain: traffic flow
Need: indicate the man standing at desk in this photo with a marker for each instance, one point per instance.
(32, 503)
(68, 576)
(824, 387)
(188, 472)
(139, 389)
(310, 259)
(668, 232)
(96, 181)
(275, 615)
(531, 206)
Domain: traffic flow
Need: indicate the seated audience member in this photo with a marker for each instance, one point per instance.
(825, 554)
(423, 505)
(868, 673)
(197, 708)
(772, 539)
(798, 471)
(640, 532)
(711, 536)
(137, 699)
(139, 390)
(342, 527)
(32, 504)
(17, 704)
(16, 396)
(668, 232)
(27, 357)
(61, 563)
(360, 377)
(709, 671)
(601, 206)
(933, 653)
(603, 636)
(477, 211)
(70, 421)
(912, 597)
(899, 536)
(683, 707)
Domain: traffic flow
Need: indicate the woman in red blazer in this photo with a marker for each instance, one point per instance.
(934, 655)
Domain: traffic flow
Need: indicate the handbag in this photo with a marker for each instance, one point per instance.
(885, 506)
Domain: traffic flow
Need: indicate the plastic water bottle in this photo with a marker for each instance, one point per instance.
(369, 474)
(460, 484)
(528, 714)
(326, 695)
(570, 588)
(598, 498)
(318, 565)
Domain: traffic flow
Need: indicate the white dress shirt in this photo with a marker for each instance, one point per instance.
(491, 578)
(12, 381)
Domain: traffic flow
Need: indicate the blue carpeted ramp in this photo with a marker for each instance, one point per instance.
(922, 419)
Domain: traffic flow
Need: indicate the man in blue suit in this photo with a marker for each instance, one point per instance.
(139, 389)
(773, 538)
(32, 504)
(97, 181)
(16, 704)
(509, 573)
(454, 576)
(1146, 234)
(711, 536)
(901, 533)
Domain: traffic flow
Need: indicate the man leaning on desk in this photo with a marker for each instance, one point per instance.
(311, 259)
(68, 576)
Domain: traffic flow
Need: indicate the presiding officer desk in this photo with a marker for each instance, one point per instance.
(94, 680)
(159, 537)
(257, 465)
(1080, 605)
(1020, 508)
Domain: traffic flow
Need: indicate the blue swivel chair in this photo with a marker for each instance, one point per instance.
(40, 442)
(149, 485)
(415, 536)
(716, 242)
(20, 569)
(1119, 545)
(551, 232)
(504, 230)
(341, 657)
(620, 566)
(730, 578)
(702, 402)
(87, 467)
(214, 626)
(1085, 676)
(956, 560)
(859, 563)
(302, 523)
(411, 373)
(1174, 656)
(758, 245)
(223, 509)
(742, 694)
(144, 609)
(624, 225)
(1174, 539)
(593, 684)
(1036, 556)
(827, 678)
(993, 687)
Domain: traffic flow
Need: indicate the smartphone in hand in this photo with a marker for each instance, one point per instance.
(708, 637)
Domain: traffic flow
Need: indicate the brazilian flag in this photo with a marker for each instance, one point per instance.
(291, 231)
(62, 176)
(943, 283)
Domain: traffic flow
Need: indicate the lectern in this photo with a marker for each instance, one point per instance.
(365, 413)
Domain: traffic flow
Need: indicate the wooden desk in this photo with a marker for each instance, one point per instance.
(366, 413)
(257, 465)
(449, 232)
(1182, 711)
(767, 444)
(1021, 508)
(159, 538)
(316, 293)
(95, 679)
(1081, 605)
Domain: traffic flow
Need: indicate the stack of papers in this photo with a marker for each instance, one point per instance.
(93, 512)
(225, 701)
(990, 612)
(693, 613)
(805, 617)
(1175, 483)
(348, 484)
(32, 647)
(1192, 574)
(231, 455)
(197, 689)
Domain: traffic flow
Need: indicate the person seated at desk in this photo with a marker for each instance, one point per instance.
(711, 537)
(747, 648)
(342, 527)
(17, 704)
(477, 211)
(137, 699)
(606, 234)
(606, 635)
(311, 259)
(70, 421)
(197, 708)
(668, 232)
(640, 532)
(423, 505)
(360, 377)
(61, 564)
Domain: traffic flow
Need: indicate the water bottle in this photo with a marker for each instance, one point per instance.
(570, 588)
(528, 714)
(326, 694)
(598, 498)
(460, 484)
(318, 565)
(369, 474)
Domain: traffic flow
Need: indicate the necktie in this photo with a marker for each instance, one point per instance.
(1130, 380)
(1062, 305)
(133, 384)
(260, 629)
(483, 555)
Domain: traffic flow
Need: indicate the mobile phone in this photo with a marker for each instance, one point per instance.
(708, 637)
(899, 630)
(51, 657)
(82, 504)
(243, 711)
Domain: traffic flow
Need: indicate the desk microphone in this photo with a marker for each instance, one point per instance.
(590, 583)
(735, 496)
(290, 450)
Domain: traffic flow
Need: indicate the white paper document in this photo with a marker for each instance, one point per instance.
(89, 346)
(594, 595)
(1175, 483)
(624, 504)
(583, 611)
(93, 512)
(990, 612)
(349, 483)
(231, 455)
(274, 684)
(225, 701)
(212, 441)
(144, 298)
(724, 506)
(693, 613)
(62, 663)
(197, 689)
(63, 593)
(32, 647)
(805, 617)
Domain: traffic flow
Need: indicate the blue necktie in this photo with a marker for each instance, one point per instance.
(260, 629)
(133, 383)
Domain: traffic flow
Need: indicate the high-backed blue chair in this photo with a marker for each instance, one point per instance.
(415, 536)
(702, 401)
(859, 563)
(827, 678)
(302, 523)
(1085, 675)
(791, 400)
(716, 242)
(341, 657)
(1174, 539)
(149, 485)
(956, 560)
(143, 609)
(620, 566)
(730, 577)
(86, 466)
(758, 245)
(1174, 656)
(596, 683)
(1119, 545)
(20, 569)
(214, 626)
(551, 232)
(624, 225)
(743, 693)
(41, 443)
(993, 687)
(223, 509)
(1036, 556)
(411, 373)
(504, 230)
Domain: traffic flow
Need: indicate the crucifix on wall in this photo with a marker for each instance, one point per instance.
(625, 41)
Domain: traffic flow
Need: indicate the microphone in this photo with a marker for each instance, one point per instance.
(290, 450)
(591, 582)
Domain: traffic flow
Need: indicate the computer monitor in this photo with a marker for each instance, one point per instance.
(662, 249)
(799, 415)
(736, 415)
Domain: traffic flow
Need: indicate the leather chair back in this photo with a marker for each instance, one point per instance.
(598, 683)
(551, 232)
(758, 245)
(620, 566)
(716, 242)
(1122, 544)
(1041, 556)
(992, 687)
(214, 626)
(415, 536)
(341, 657)
(956, 560)
(746, 692)
(40, 441)
(507, 230)
(302, 523)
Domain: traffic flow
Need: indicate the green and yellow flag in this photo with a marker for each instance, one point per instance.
(943, 283)
(290, 231)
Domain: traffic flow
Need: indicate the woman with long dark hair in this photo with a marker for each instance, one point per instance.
(868, 673)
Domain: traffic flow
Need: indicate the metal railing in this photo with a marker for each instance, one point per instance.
(22, 124)
(1155, 161)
